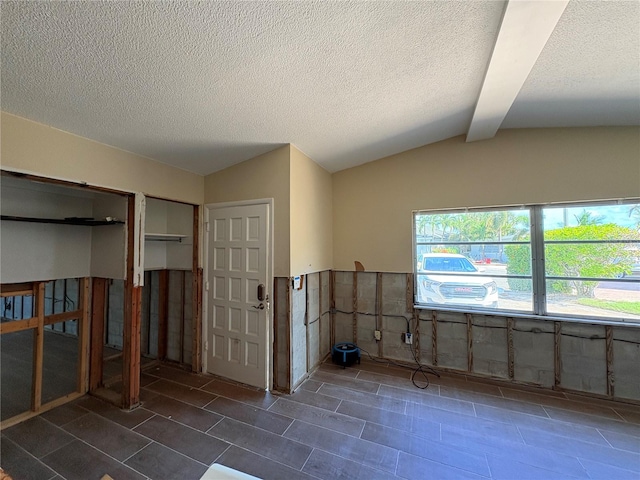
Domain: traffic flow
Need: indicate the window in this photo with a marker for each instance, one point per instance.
(573, 260)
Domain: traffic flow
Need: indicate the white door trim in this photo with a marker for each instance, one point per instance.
(205, 297)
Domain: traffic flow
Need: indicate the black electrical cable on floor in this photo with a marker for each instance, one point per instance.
(420, 369)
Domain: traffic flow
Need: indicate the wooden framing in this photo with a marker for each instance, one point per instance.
(16, 289)
(306, 324)
(434, 338)
(469, 342)
(510, 353)
(98, 315)
(288, 330)
(131, 327)
(276, 382)
(379, 311)
(355, 308)
(332, 296)
(38, 351)
(196, 294)
(84, 335)
(163, 314)
(37, 324)
(557, 365)
(608, 330)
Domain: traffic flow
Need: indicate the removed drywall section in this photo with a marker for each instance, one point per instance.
(344, 325)
(489, 346)
(298, 334)
(313, 320)
(583, 364)
(180, 316)
(626, 362)
(302, 327)
(570, 356)
(530, 339)
(282, 334)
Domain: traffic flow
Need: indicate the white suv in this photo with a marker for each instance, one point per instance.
(437, 285)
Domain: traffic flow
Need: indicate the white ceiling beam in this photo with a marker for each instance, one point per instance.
(525, 29)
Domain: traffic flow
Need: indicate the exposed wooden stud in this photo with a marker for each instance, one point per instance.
(196, 311)
(379, 319)
(131, 327)
(62, 317)
(183, 286)
(410, 292)
(306, 324)
(17, 289)
(354, 324)
(163, 313)
(288, 330)
(98, 314)
(320, 316)
(332, 295)
(131, 348)
(18, 325)
(469, 342)
(434, 337)
(43, 408)
(416, 335)
(510, 353)
(196, 356)
(608, 330)
(146, 325)
(276, 380)
(84, 332)
(556, 356)
(38, 351)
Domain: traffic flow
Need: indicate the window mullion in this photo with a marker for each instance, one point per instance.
(537, 259)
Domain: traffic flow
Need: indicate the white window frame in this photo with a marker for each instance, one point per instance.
(538, 274)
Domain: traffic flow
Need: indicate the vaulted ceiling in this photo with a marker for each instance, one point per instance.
(205, 85)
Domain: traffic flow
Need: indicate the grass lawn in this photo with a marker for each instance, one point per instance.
(622, 306)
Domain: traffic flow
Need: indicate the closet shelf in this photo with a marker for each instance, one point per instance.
(87, 222)
(164, 237)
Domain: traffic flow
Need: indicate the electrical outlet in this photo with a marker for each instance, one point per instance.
(408, 338)
(377, 334)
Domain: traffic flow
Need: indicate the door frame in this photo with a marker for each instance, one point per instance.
(270, 262)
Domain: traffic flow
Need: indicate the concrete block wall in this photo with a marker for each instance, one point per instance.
(626, 362)
(298, 334)
(581, 365)
(583, 358)
(179, 316)
(533, 351)
(302, 328)
(115, 314)
(179, 311)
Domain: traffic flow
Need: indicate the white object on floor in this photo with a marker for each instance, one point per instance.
(220, 472)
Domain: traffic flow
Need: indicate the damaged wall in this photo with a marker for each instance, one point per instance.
(302, 328)
(582, 357)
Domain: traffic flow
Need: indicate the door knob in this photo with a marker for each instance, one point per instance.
(259, 307)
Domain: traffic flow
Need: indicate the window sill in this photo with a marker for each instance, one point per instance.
(532, 316)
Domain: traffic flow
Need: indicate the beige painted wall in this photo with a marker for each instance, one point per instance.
(38, 149)
(265, 176)
(374, 202)
(311, 215)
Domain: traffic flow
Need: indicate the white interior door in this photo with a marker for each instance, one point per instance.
(237, 272)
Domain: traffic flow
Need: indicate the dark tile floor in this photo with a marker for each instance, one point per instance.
(368, 422)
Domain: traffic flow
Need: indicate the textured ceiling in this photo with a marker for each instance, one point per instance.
(204, 85)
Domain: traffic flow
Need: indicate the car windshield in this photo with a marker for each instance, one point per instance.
(448, 264)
